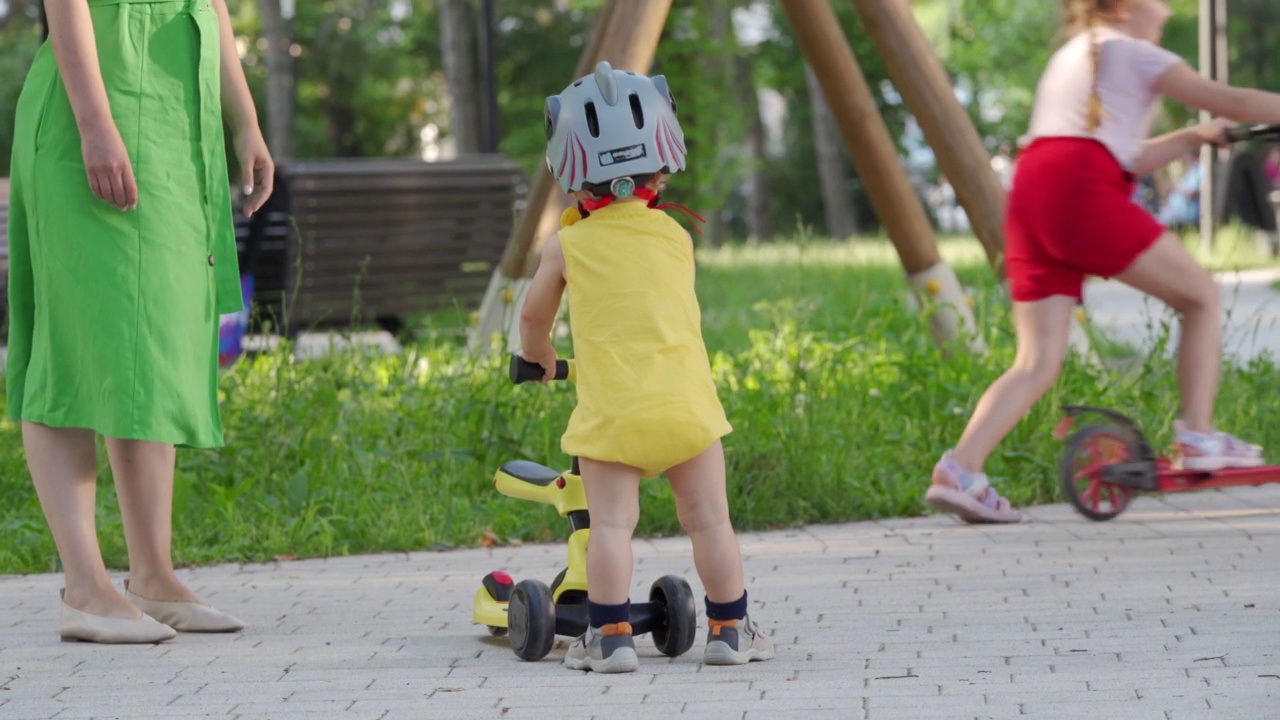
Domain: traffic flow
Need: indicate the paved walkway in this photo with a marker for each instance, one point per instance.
(1169, 612)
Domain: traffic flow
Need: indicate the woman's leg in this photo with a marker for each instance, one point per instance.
(64, 470)
(144, 483)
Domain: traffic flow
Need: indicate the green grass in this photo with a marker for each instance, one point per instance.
(839, 400)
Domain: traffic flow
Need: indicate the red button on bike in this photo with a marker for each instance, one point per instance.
(560, 483)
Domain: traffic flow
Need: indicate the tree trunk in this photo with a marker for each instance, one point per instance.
(277, 30)
(457, 29)
(718, 69)
(837, 201)
(759, 199)
(919, 76)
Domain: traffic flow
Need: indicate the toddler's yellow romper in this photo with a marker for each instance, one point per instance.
(645, 393)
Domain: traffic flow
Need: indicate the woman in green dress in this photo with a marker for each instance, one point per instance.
(122, 258)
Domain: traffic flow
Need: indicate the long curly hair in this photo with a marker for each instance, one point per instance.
(1084, 15)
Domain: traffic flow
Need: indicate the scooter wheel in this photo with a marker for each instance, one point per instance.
(674, 635)
(1088, 451)
(531, 620)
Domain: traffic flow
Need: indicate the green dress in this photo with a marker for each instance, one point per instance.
(114, 315)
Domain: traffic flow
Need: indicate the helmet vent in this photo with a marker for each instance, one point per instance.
(637, 111)
(593, 120)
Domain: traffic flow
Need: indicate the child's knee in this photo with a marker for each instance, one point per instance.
(1197, 294)
(1041, 372)
(696, 517)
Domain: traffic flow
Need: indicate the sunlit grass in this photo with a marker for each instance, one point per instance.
(839, 400)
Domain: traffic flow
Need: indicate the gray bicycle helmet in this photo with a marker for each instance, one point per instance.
(610, 125)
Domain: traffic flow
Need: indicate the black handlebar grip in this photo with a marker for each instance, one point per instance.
(1238, 133)
(1250, 132)
(523, 371)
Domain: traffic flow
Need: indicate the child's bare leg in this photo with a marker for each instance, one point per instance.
(702, 503)
(1043, 328)
(1168, 272)
(703, 507)
(613, 498)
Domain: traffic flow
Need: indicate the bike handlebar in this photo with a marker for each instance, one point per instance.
(523, 371)
(1241, 133)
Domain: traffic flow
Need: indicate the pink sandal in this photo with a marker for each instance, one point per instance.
(968, 495)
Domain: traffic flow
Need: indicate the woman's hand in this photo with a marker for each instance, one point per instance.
(107, 163)
(258, 168)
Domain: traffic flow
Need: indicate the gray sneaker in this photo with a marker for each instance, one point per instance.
(609, 649)
(736, 642)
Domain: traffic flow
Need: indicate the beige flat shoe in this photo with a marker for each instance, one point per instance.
(79, 625)
(185, 616)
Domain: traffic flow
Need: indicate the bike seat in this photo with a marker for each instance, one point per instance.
(530, 472)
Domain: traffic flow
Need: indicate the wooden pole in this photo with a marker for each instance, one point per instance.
(874, 153)
(872, 148)
(626, 35)
(1213, 65)
(921, 80)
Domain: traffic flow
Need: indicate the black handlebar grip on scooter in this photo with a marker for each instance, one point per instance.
(1238, 133)
(1248, 132)
(523, 371)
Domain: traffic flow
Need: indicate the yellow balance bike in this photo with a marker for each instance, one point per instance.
(532, 613)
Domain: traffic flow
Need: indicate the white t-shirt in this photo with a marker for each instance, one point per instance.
(1128, 69)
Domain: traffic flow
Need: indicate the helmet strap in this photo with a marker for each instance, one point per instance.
(585, 207)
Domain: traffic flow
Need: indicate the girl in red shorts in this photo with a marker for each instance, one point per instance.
(1070, 215)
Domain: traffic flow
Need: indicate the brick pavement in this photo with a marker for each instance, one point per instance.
(1169, 612)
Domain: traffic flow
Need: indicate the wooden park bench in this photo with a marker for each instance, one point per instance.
(367, 241)
(354, 242)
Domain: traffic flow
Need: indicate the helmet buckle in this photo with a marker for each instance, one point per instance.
(622, 187)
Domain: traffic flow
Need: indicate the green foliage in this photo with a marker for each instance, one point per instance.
(537, 53)
(20, 36)
(839, 400)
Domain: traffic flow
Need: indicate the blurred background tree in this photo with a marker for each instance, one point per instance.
(362, 78)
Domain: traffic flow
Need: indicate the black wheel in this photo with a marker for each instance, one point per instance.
(674, 635)
(1088, 451)
(531, 619)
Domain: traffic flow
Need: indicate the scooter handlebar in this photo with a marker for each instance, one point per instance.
(1240, 133)
(523, 371)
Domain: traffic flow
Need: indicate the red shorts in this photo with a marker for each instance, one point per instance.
(1071, 214)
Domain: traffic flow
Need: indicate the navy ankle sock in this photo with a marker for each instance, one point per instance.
(735, 610)
(601, 615)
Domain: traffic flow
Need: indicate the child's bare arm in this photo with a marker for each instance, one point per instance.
(1159, 152)
(541, 304)
(1185, 85)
